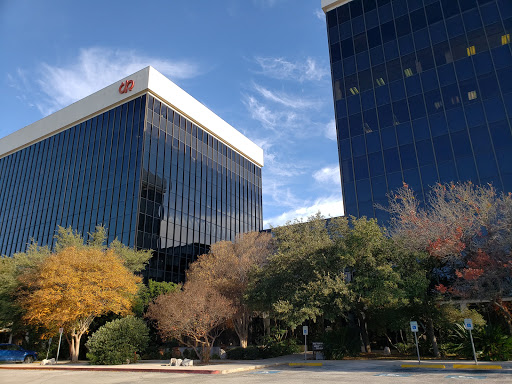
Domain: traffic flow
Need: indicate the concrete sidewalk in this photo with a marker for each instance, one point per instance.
(233, 366)
(215, 367)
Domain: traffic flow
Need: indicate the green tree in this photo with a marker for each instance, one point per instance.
(11, 268)
(148, 293)
(330, 269)
(304, 279)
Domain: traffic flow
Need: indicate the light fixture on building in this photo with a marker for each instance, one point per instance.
(471, 50)
(354, 90)
(380, 81)
(472, 95)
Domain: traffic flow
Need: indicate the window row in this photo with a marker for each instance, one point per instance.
(413, 109)
(462, 45)
(428, 11)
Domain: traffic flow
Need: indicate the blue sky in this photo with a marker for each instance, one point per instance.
(261, 65)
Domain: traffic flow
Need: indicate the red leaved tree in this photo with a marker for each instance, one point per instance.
(466, 228)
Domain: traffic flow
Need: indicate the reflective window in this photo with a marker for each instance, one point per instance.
(436, 83)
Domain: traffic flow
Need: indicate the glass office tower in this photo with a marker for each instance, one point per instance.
(160, 172)
(423, 94)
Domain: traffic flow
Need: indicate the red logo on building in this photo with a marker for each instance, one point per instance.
(126, 86)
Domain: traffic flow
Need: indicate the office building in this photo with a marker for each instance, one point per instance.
(423, 94)
(143, 158)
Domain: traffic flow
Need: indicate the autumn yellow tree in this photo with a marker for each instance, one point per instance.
(72, 287)
(226, 270)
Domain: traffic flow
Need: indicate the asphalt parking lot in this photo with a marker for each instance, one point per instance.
(331, 372)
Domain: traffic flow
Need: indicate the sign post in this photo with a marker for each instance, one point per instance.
(49, 345)
(414, 329)
(305, 333)
(468, 324)
(58, 348)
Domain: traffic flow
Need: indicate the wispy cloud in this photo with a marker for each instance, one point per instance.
(93, 69)
(279, 68)
(328, 206)
(329, 175)
(286, 99)
(272, 118)
(265, 3)
(320, 14)
(260, 112)
(330, 130)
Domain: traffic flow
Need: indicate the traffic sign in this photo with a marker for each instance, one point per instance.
(305, 330)
(414, 326)
(61, 330)
(468, 324)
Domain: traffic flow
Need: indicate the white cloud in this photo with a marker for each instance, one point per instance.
(94, 69)
(285, 99)
(330, 130)
(328, 206)
(329, 175)
(279, 68)
(320, 14)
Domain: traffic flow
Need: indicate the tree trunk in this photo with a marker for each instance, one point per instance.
(266, 325)
(364, 332)
(432, 337)
(74, 347)
(206, 351)
(242, 328)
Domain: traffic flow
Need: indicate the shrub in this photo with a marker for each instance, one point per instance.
(341, 343)
(280, 348)
(405, 348)
(239, 353)
(117, 341)
(189, 354)
(491, 343)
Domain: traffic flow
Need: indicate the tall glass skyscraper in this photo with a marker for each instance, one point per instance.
(141, 157)
(423, 94)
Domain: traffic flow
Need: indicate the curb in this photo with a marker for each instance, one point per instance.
(477, 367)
(105, 369)
(434, 366)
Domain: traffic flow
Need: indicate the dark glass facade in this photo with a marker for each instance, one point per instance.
(195, 191)
(423, 94)
(152, 177)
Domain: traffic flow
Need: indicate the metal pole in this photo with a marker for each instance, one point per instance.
(305, 346)
(58, 349)
(473, 346)
(417, 347)
(49, 345)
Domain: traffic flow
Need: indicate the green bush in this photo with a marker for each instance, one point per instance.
(280, 348)
(491, 343)
(239, 353)
(405, 348)
(117, 341)
(341, 343)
